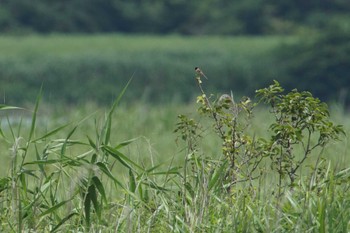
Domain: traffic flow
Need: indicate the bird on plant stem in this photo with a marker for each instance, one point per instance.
(200, 72)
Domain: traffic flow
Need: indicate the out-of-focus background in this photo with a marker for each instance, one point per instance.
(74, 159)
(85, 50)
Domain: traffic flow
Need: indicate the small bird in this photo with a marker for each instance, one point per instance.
(200, 72)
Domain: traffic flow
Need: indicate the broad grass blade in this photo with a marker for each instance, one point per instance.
(215, 177)
(93, 197)
(120, 145)
(52, 132)
(6, 107)
(62, 222)
(53, 208)
(121, 157)
(105, 170)
(132, 181)
(98, 184)
(87, 207)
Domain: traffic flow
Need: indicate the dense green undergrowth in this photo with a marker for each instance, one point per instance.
(124, 170)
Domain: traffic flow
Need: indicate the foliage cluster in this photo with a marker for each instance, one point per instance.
(298, 118)
(52, 187)
(172, 16)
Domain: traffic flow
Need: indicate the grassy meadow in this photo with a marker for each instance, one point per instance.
(142, 189)
(120, 167)
(71, 67)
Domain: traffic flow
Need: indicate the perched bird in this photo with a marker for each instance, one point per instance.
(200, 72)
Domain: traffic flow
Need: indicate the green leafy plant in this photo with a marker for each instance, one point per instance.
(299, 120)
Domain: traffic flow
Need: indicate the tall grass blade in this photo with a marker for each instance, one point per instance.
(53, 208)
(106, 171)
(52, 132)
(153, 185)
(87, 207)
(219, 172)
(108, 125)
(173, 170)
(49, 161)
(116, 102)
(121, 157)
(92, 144)
(322, 214)
(107, 130)
(23, 182)
(132, 181)
(32, 128)
(11, 128)
(38, 157)
(125, 143)
(64, 146)
(2, 133)
(65, 219)
(6, 107)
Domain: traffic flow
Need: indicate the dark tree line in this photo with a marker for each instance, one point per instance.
(170, 16)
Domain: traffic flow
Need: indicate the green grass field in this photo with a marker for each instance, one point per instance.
(70, 67)
(76, 45)
(139, 192)
(121, 167)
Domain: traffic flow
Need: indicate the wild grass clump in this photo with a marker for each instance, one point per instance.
(62, 180)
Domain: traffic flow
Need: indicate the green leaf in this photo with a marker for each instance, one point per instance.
(105, 170)
(107, 130)
(6, 107)
(87, 207)
(49, 161)
(121, 157)
(189, 189)
(173, 170)
(53, 208)
(108, 124)
(219, 172)
(51, 133)
(132, 181)
(154, 186)
(93, 197)
(98, 184)
(125, 143)
(32, 128)
(92, 144)
(63, 221)
(64, 146)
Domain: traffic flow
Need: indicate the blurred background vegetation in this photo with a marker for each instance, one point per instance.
(87, 50)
